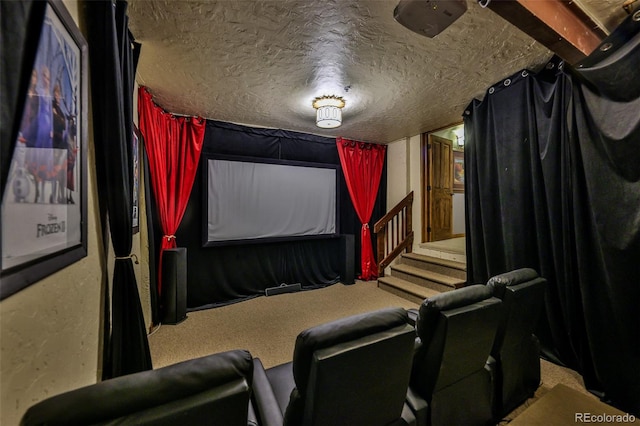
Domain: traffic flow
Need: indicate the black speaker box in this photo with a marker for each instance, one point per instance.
(428, 17)
(174, 285)
(347, 259)
(283, 288)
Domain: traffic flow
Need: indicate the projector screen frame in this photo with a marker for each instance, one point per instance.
(204, 162)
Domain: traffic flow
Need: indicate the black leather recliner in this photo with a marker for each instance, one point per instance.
(451, 380)
(214, 389)
(353, 371)
(516, 348)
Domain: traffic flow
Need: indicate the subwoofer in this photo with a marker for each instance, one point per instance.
(174, 285)
(428, 17)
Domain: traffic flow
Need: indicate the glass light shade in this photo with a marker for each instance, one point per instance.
(328, 111)
(328, 117)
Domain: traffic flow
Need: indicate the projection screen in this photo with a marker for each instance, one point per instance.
(251, 200)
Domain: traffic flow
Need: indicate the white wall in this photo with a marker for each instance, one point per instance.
(458, 214)
(50, 332)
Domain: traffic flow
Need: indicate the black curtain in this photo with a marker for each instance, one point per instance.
(112, 73)
(20, 27)
(226, 274)
(553, 183)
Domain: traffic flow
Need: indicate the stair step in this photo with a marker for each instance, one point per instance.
(405, 289)
(442, 254)
(425, 278)
(439, 261)
(435, 264)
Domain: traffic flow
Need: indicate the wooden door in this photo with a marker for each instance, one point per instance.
(439, 188)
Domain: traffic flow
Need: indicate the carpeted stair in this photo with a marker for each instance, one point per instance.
(417, 276)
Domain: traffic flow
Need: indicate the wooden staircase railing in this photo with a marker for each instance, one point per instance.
(394, 232)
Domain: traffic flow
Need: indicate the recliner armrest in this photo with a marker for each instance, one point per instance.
(418, 406)
(265, 404)
(252, 417)
(413, 316)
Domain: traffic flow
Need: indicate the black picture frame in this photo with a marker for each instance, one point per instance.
(135, 193)
(44, 208)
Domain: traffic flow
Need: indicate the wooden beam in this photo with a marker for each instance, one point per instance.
(560, 25)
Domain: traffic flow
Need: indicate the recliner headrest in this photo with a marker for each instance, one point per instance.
(340, 331)
(432, 306)
(515, 277)
(125, 395)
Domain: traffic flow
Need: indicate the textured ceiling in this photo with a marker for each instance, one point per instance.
(261, 63)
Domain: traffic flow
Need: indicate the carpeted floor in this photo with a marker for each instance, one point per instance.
(267, 327)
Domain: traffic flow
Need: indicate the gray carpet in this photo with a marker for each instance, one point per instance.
(267, 327)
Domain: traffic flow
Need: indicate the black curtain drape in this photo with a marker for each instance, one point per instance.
(111, 60)
(553, 183)
(226, 274)
(20, 27)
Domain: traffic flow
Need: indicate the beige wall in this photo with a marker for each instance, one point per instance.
(50, 332)
(403, 176)
(415, 185)
(397, 177)
(140, 242)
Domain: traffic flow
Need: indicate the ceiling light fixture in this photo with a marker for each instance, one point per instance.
(328, 111)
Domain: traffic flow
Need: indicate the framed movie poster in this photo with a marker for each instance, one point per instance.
(458, 171)
(44, 208)
(135, 194)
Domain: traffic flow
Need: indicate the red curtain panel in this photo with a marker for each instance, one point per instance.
(173, 145)
(362, 167)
